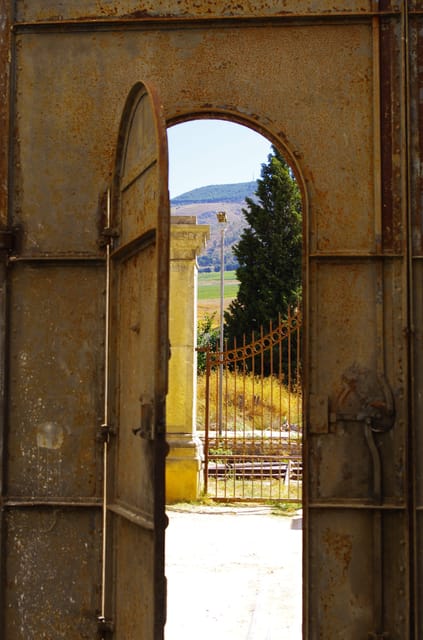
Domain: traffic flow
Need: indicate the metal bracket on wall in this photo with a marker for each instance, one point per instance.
(365, 397)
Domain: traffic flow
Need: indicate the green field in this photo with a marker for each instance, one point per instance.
(209, 293)
(209, 285)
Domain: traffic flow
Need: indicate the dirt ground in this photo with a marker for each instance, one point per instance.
(233, 573)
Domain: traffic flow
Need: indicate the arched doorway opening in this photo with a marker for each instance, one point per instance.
(196, 546)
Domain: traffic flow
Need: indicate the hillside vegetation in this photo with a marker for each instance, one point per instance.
(217, 193)
(204, 203)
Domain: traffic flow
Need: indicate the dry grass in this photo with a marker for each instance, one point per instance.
(249, 402)
(264, 490)
(210, 306)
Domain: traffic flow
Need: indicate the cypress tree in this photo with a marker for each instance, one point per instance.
(268, 253)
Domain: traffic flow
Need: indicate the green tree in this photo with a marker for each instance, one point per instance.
(268, 253)
(207, 338)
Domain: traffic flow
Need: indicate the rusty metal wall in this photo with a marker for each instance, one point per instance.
(52, 506)
(338, 89)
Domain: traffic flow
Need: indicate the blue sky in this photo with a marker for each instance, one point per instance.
(203, 152)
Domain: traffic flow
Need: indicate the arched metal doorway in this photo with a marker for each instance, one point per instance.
(343, 86)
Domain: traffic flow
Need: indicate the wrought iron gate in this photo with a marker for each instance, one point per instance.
(253, 421)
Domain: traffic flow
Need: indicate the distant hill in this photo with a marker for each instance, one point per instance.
(217, 193)
(204, 203)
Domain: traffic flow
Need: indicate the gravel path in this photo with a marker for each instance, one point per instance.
(233, 574)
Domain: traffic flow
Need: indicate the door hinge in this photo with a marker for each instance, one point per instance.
(107, 236)
(8, 239)
(104, 433)
(105, 625)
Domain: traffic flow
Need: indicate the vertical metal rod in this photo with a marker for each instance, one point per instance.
(299, 382)
(412, 445)
(225, 370)
(378, 590)
(106, 415)
(271, 375)
(207, 423)
(235, 373)
(289, 338)
(7, 117)
(3, 372)
(280, 381)
(222, 286)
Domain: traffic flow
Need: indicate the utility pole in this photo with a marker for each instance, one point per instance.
(223, 223)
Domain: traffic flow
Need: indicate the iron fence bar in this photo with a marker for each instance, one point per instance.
(206, 422)
(258, 461)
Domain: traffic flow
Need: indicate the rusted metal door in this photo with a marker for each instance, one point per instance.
(138, 265)
(358, 532)
(347, 109)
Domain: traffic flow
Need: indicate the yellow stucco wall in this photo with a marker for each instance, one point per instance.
(183, 464)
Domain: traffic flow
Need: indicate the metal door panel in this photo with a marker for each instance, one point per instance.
(52, 573)
(55, 368)
(142, 195)
(347, 593)
(135, 597)
(357, 498)
(357, 541)
(134, 481)
(344, 316)
(341, 594)
(61, 156)
(135, 591)
(340, 294)
(52, 498)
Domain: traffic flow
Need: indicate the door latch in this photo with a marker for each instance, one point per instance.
(146, 429)
(365, 397)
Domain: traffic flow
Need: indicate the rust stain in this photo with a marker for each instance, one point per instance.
(4, 103)
(339, 546)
